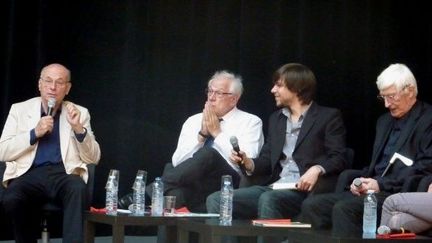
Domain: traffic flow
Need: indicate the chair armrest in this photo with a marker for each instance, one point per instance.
(411, 183)
(424, 183)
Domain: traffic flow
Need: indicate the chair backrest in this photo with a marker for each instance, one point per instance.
(349, 155)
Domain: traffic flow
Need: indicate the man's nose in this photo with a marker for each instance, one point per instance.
(386, 103)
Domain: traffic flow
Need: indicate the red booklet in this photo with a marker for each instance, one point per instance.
(279, 223)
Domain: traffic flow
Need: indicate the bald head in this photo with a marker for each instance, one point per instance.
(57, 68)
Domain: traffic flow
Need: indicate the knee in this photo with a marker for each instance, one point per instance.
(309, 205)
(212, 202)
(78, 186)
(268, 206)
(11, 201)
(391, 202)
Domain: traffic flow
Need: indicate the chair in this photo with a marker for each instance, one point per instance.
(51, 207)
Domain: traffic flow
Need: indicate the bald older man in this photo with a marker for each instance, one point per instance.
(46, 143)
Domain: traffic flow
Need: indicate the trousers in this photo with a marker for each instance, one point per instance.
(25, 196)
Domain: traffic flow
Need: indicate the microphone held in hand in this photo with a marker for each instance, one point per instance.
(357, 182)
(384, 230)
(234, 143)
(51, 104)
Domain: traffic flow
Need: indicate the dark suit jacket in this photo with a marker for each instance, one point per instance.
(415, 143)
(321, 141)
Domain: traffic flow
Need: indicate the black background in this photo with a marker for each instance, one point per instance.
(140, 67)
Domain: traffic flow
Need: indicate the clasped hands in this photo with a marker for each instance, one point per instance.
(210, 125)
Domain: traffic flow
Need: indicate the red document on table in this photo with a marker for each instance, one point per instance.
(279, 223)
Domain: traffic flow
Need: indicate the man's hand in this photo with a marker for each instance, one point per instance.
(44, 126)
(430, 188)
(210, 123)
(241, 159)
(367, 184)
(308, 180)
(73, 117)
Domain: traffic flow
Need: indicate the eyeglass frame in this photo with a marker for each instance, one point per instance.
(217, 93)
(392, 97)
(49, 82)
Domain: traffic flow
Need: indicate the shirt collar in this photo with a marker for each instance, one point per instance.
(287, 112)
(230, 114)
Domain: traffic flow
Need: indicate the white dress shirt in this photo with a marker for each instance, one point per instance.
(245, 126)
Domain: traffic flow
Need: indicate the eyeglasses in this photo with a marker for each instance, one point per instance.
(219, 94)
(391, 97)
(50, 82)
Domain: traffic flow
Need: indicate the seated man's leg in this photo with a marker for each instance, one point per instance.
(22, 201)
(245, 202)
(348, 215)
(71, 191)
(280, 204)
(204, 163)
(200, 174)
(408, 210)
(317, 209)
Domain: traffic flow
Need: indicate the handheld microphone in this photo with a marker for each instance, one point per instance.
(357, 182)
(384, 230)
(51, 104)
(234, 143)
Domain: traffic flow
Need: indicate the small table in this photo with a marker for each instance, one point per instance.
(210, 231)
(119, 222)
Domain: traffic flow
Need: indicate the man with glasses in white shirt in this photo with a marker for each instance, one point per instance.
(203, 149)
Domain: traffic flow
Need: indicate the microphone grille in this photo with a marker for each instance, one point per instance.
(233, 140)
(357, 182)
(51, 102)
(383, 230)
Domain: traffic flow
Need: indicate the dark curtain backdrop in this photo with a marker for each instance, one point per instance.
(140, 66)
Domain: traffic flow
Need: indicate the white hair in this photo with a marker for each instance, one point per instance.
(236, 81)
(398, 75)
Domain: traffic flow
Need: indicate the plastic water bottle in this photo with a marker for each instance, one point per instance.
(226, 200)
(111, 200)
(157, 198)
(370, 214)
(139, 193)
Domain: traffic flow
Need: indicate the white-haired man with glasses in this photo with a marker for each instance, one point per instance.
(46, 143)
(406, 130)
(203, 149)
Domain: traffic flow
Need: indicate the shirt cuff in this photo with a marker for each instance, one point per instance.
(249, 173)
(33, 138)
(323, 171)
(80, 136)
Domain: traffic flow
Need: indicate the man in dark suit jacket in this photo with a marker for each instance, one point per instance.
(301, 133)
(406, 130)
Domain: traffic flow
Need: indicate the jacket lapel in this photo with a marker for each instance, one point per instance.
(307, 125)
(279, 139)
(65, 132)
(408, 129)
(34, 114)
